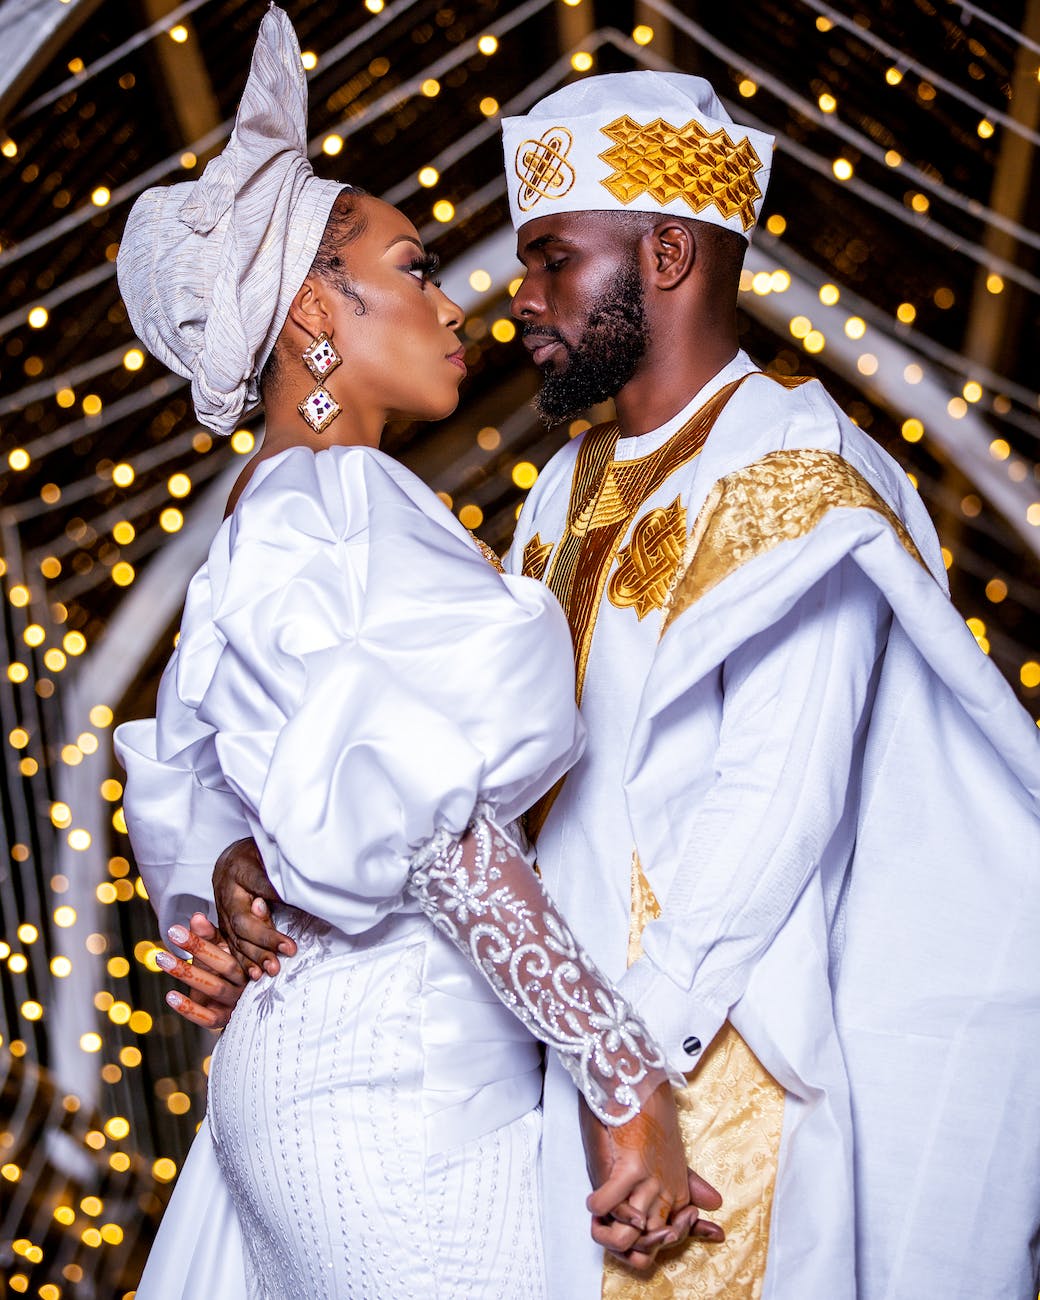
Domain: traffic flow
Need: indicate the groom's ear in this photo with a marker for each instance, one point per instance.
(668, 253)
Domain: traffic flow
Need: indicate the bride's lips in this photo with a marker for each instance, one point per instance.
(458, 358)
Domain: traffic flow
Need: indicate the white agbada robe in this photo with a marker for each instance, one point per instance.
(731, 753)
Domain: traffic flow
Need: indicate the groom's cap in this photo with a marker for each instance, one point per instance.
(636, 142)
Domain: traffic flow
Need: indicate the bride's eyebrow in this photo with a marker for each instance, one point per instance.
(406, 239)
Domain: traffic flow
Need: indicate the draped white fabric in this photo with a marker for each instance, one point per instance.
(833, 795)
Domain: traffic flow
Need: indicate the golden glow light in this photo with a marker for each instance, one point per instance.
(123, 574)
(827, 103)
(842, 168)
(171, 520)
(1000, 448)
(471, 516)
(428, 177)
(867, 364)
(178, 485)
(90, 1042)
(581, 61)
(893, 76)
(814, 341)
(123, 533)
(480, 281)
(525, 475)
(443, 211)
(829, 294)
(123, 474)
(642, 35)
(747, 88)
(912, 430)
(431, 88)
(920, 202)
(38, 317)
(332, 145)
(503, 330)
(164, 1170)
(18, 459)
(100, 715)
(100, 196)
(134, 359)
(995, 283)
(985, 128)
(776, 224)
(1029, 674)
(972, 391)
(65, 397)
(179, 33)
(906, 313)
(309, 60)
(489, 106)
(855, 327)
(487, 44)
(242, 442)
(800, 326)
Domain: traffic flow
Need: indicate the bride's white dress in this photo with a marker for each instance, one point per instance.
(353, 681)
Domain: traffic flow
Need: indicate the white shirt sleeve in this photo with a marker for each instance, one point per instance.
(794, 703)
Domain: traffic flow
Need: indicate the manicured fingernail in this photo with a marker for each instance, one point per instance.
(178, 935)
(286, 949)
(255, 972)
(165, 960)
(271, 967)
(261, 907)
(173, 1000)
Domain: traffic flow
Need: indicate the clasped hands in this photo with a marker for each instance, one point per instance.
(645, 1198)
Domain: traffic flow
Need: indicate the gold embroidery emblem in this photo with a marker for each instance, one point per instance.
(536, 557)
(542, 167)
(604, 508)
(648, 564)
(669, 162)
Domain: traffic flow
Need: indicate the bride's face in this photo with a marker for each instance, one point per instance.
(397, 337)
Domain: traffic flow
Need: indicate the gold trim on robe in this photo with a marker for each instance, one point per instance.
(605, 496)
(536, 557)
(780, 497)
(730, 1116)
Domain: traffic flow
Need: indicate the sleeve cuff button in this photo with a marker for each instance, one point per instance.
(691, 1046)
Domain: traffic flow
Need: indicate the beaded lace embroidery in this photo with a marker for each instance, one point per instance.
(482, 893)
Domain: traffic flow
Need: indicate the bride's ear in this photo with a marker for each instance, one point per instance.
(310, 308)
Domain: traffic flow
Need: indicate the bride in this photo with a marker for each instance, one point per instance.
(359, 689)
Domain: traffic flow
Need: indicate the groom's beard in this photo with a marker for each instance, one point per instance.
(605, 357)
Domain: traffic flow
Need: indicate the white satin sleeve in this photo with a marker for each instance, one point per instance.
(372, 679)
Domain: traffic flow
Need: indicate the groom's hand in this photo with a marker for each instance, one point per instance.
(645, 1198)
(243, 894)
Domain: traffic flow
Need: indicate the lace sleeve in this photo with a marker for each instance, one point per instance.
(482, 892)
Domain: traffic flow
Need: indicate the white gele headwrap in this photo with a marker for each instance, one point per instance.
(208, 269)
(636, 142)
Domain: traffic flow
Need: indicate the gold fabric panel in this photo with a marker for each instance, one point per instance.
(536, 557)
(647, 566)
(672, 162)
(731, 1116)
(749, 512)
(605, 496)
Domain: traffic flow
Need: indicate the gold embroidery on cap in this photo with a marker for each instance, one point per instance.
(669, 162)
(536, 557)
(648, 564)
(543, 168)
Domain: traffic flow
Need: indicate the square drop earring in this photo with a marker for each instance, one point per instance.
(319, 408)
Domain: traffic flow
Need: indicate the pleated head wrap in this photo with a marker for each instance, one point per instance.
(208, 269)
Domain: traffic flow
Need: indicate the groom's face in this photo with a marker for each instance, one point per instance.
(580, 308)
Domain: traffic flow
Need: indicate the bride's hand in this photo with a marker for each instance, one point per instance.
(213, 976)
(645, 1198)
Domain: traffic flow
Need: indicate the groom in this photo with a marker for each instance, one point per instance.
(806, 795)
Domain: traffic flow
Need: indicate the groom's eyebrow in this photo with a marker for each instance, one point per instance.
(536, 245)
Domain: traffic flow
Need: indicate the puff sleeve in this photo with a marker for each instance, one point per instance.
(369, 678)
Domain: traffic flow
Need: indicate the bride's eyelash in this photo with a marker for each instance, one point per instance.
(429, 264)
